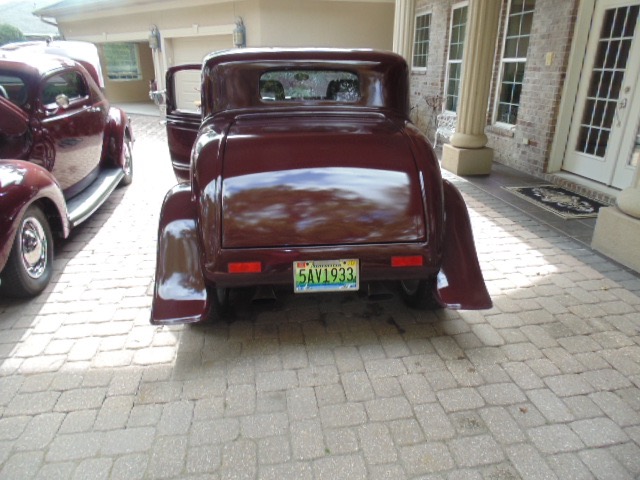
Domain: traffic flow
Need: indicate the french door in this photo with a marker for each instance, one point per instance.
(605, 118)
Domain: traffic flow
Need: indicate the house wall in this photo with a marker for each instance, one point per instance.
(131, 90)
(286, 23)
(527, 146)
(326, 24)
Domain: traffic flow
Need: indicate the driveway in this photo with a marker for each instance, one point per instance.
(544, 385)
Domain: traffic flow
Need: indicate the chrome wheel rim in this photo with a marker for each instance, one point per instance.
(33, 247)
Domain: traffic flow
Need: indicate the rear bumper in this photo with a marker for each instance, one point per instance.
(276, 264)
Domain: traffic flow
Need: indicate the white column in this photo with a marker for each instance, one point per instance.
(629, 199)
(403, 28)
(467, 153)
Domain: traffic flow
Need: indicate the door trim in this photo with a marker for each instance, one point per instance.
(577, 53)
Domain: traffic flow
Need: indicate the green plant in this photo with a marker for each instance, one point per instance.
(9, 33)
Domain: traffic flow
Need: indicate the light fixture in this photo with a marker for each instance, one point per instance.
(154, 38)
(239, 34)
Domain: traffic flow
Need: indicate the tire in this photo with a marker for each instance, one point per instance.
(419, 294)
(30, 265)
(220, 305)
(128, 163)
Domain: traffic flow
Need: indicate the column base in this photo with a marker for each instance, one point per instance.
(616, 235)
(465, 161)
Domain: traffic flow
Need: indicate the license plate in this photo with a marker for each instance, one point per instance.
(326, 276)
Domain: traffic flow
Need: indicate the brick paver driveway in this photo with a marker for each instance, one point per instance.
(544, 385)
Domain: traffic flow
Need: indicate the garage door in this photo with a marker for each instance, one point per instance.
(193, 50)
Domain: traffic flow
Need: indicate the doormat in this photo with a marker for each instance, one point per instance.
(559, 200)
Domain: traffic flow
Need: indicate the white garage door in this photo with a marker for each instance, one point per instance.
(193, 50)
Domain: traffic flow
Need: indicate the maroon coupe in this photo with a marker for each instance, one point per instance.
(63, 149)
(302, 169)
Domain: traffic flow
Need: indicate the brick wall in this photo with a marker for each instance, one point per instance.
(552, 31)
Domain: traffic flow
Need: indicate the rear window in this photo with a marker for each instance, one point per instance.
(309, 85)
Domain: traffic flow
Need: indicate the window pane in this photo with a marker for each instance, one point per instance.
(421, 41)
(69, 84)
(456, 50)
(518, 29)
(309, 85)
(122, 61)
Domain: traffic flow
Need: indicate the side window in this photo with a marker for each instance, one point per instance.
(421, 39)
(13, 89)
(514, 59)
(454, 62)
(70, 84)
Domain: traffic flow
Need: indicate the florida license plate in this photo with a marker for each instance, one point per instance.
(326, 276)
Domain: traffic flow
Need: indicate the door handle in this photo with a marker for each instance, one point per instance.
(622, 104)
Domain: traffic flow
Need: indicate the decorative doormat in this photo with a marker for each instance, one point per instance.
(559, 200)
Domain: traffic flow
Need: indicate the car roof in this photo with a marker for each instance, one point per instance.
(33, 64)
(83, 53)
(230, 77)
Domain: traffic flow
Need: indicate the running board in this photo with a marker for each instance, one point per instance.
(81, 206)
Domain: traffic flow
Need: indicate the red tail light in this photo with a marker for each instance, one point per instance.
(411, 261)
(244, 267)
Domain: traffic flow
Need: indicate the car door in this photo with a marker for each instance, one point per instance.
(73, 123)
(183, 115)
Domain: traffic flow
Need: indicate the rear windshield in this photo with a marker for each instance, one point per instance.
(305, 85)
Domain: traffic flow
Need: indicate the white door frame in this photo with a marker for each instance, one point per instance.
(577, 54)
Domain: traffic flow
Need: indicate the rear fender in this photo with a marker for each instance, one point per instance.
(180, 293)
(460, 283)
(119, 132)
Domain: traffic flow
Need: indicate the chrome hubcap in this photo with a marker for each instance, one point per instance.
(33, 247)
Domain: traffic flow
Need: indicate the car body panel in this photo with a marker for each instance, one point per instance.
(21, 185)
(353, 173)
(276, 179)
(180, 294)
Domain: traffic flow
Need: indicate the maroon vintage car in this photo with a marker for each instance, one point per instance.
(63, 150)
(304, 171)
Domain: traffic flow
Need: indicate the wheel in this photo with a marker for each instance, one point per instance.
(30, 264)
(419, 293)
(220, 304)
(128, 163)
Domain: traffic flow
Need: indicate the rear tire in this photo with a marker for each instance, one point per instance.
(30, 265)
(419, 293)
(128, 163)
(220, 305)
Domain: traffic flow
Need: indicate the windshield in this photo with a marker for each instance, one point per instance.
(297, 85)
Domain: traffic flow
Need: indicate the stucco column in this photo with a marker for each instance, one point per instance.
(618, 228)
(629, 199)
(467, 154)
(403, 28)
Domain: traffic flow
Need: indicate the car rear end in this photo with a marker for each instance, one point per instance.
(320, 200)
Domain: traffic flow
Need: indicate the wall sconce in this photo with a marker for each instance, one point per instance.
(154, 38)
(239, 34)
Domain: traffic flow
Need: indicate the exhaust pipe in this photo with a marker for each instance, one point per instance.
(376, 291)
(264, 294)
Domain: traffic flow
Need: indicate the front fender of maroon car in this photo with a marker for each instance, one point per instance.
(460, 281)
(180, 293)
(21, 185)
